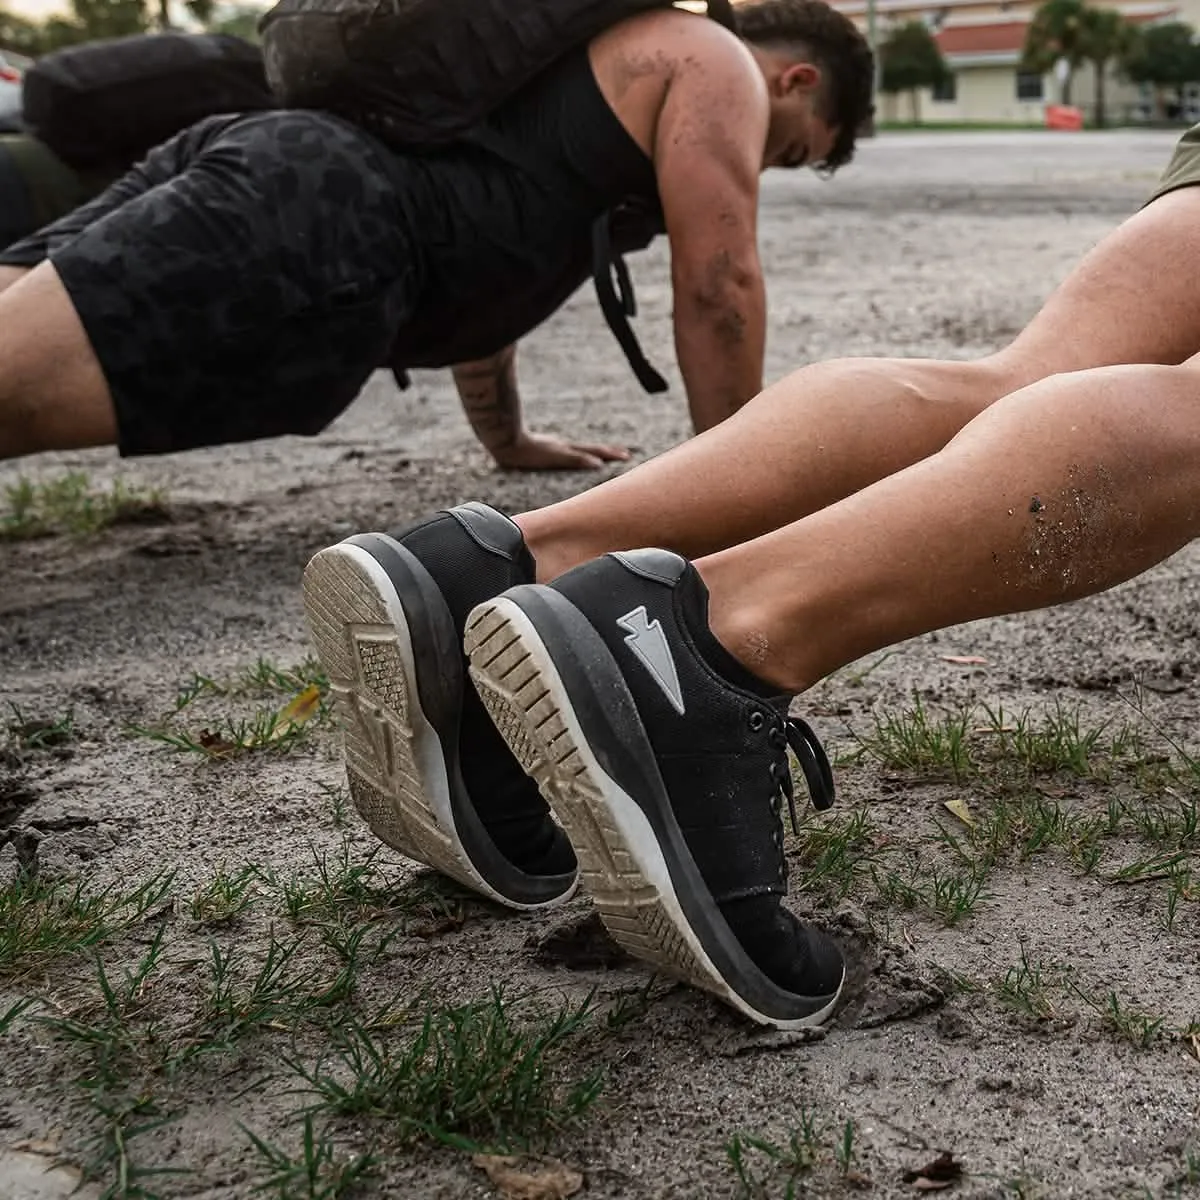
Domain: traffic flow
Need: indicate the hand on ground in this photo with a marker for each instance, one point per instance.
(545, 452)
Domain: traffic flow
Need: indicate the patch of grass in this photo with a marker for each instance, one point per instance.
(262, 678)
(765, 1168)
(1181, 885)
(1057, 741)
(1023, 822)
(351, 887)
(339, 803)
(785, 1165)
(950, 895)
(1172, 824)
(8, 1017)
(915, 739)
(315, 1174)
(844, 1150)
(225, 735)
(276, 996)
(960, 743)
(119, 1048)
(40, 733)
(1191, 1168)
(41, 920)
(1128, 1024)
(631, 1005)
(71, 504)
(834, 851)
(1022, 1187)
(1026, 988)
(489, 1075)
(224, 898)
(268, 729)
(109, 1159)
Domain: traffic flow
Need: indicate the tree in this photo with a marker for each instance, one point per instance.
(240, 21)
(92, 19)
(1056, 32)
(909, 59)
(1107, 37)
(1165, 56)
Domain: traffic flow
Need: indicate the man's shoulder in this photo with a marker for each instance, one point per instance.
(680, 40)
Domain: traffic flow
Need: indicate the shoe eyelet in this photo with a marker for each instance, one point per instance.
(757, 721)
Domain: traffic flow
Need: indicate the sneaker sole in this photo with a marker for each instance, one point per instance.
(621, 861)
(395, 763)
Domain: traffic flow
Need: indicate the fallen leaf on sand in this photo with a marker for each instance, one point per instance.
(521, 1179)
(959, 809)
(935, 1176)
(965, 660)
(1195, 1040)
(299, 710)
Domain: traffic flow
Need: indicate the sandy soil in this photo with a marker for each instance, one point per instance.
(934, 244)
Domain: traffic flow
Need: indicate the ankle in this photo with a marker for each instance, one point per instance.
(554, 549)
(761, 640)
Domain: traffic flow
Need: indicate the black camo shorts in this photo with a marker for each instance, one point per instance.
(242, 282)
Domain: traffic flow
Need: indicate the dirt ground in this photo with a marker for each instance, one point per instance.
(1024, 991)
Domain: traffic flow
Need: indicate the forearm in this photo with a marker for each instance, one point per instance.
(720, 340)
(490, 400)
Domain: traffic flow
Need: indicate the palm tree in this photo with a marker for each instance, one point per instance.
(1056, 32)
(1107, 37)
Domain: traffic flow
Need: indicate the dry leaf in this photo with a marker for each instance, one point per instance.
(520, 1179)
(936, 1176)
(299, 710)
(959, 809)
(1196, 1046)
(965, 660)
(214, 743)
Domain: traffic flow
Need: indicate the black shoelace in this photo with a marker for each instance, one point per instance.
(793, 733)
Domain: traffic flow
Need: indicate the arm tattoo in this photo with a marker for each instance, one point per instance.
(488, 390)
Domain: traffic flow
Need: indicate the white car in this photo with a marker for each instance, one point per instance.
(10, 93)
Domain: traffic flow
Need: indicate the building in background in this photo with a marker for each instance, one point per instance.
(981, 41)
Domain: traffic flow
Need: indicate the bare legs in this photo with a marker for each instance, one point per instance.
(832, 428)
(10, 275)
(1060, 490)
(53, 395)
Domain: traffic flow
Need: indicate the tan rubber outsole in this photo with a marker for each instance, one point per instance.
(393, 758)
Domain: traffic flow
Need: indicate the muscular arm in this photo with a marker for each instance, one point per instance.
(488, 391)
(708, 156)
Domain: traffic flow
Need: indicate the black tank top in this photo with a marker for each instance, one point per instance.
(506, 223)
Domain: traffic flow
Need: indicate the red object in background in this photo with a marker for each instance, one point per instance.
(1063, 116)
(9, 75)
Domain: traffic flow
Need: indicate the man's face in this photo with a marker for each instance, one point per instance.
(797, 136)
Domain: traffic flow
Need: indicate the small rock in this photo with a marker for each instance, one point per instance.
(35, 1176)
(10, 865)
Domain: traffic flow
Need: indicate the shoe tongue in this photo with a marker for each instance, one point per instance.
(692, 598)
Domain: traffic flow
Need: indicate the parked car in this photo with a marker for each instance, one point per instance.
(10, 94)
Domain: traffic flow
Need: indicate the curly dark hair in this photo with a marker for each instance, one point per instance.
(834, 43)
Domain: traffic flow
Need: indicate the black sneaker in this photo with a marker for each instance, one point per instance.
(426, 766)
(666, 762)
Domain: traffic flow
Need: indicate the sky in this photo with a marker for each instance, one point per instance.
(35, 8)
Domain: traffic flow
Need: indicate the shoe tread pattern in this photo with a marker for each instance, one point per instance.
(357, 644)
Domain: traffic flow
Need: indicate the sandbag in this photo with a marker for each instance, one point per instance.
(104, 104)
(420, 73)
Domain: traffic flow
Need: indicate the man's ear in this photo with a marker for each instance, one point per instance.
(800, 77)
